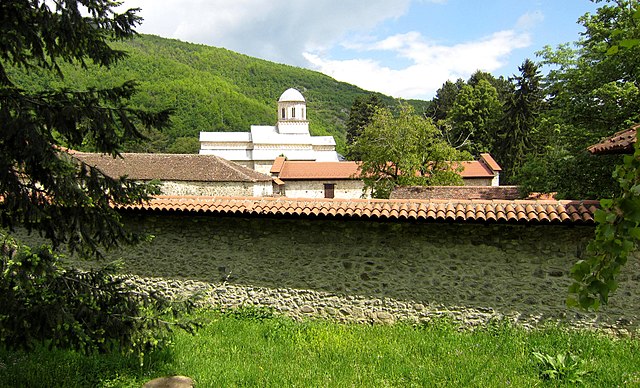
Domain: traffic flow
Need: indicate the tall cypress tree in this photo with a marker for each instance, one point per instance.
(521, 111)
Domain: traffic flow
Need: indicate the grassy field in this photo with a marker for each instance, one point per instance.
(251, 348)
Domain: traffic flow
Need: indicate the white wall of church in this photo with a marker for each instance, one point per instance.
(344, 189)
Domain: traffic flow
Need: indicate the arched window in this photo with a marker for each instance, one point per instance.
(293, 113)
(283, 113)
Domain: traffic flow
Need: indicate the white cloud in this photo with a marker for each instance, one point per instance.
(430, 64)
(275, 30)
(530, 20)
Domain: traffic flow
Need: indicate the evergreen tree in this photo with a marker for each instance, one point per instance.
(444, 99)
(520, 113)
(44, 189)
(360, 116)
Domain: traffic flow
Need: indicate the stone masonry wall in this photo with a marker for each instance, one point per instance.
(246, 189)
(458, 192)
(374, 271)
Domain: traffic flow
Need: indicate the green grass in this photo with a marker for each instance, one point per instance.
(246, 348)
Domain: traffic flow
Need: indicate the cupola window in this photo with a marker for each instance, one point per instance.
(293, 112)
(283, 113)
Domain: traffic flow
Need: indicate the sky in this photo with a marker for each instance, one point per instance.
(402, 48)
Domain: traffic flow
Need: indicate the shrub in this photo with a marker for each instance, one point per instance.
(41, 302)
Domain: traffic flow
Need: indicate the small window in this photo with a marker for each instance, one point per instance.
(302, 116)
(283, 112)
(329, 189)
(293, 112)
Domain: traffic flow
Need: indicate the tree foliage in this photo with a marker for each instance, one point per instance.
(474, 117)
(209, 89)
(617, 235)
(44, 189)
(360, 116)
(519, 120)
(593, 92)
(406, 149)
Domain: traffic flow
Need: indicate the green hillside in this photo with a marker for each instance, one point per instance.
(211, 89)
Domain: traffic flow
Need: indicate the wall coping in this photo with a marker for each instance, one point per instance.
(434, 210)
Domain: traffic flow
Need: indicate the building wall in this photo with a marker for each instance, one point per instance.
(226, 189)
(479, 181)
(345, 189)
(376, 271)
(457, 192)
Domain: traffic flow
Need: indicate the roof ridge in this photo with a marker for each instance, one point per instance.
(240, 169)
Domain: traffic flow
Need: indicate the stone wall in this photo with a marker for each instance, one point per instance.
(458, 192)
(374, 271)
(229, 189)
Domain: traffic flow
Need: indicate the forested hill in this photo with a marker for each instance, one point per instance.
(212, 89)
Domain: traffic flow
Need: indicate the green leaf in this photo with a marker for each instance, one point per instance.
(628, 43)
(612, 50)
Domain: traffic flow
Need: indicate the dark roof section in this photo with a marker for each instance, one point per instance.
(620, 143)
(516, 211)
(172, 167)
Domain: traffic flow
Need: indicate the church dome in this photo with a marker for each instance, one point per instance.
(291, 95)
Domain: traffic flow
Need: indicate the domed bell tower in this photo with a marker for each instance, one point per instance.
(292, 113)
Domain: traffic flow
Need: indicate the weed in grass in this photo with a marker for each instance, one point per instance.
(561, 367)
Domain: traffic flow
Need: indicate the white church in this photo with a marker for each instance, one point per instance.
(258, 148)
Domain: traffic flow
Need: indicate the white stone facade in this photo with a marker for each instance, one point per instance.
(343, 189)
(258, 148)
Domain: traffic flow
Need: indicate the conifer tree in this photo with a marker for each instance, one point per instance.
(44, 189)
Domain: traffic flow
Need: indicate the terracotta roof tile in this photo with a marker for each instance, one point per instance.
(522, 211)
(318, 170)
(476, 169)
(490, 162)
(300, 170)
(620, 143)
(171, 167)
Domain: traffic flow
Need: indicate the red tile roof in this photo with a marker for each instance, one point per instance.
(620, 143)
(172, 167)
(319, 170)
(518, 211)
(300, 170)
(476, 169)
(490, 162)
(277, 165)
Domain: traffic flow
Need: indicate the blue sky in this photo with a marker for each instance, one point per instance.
(403, 48)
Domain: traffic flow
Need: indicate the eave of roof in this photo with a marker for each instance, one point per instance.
(621, 142)
(171, 167)
(450, 210)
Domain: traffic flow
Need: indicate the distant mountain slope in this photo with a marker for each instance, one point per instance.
(212, 89)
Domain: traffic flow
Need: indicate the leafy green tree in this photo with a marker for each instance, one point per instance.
(502, 85)
(614, 31)
(617, 236)
(360, 116)
(44, 189)
(593, 92)
(521, 111)
(474, 118)
(406, 149)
